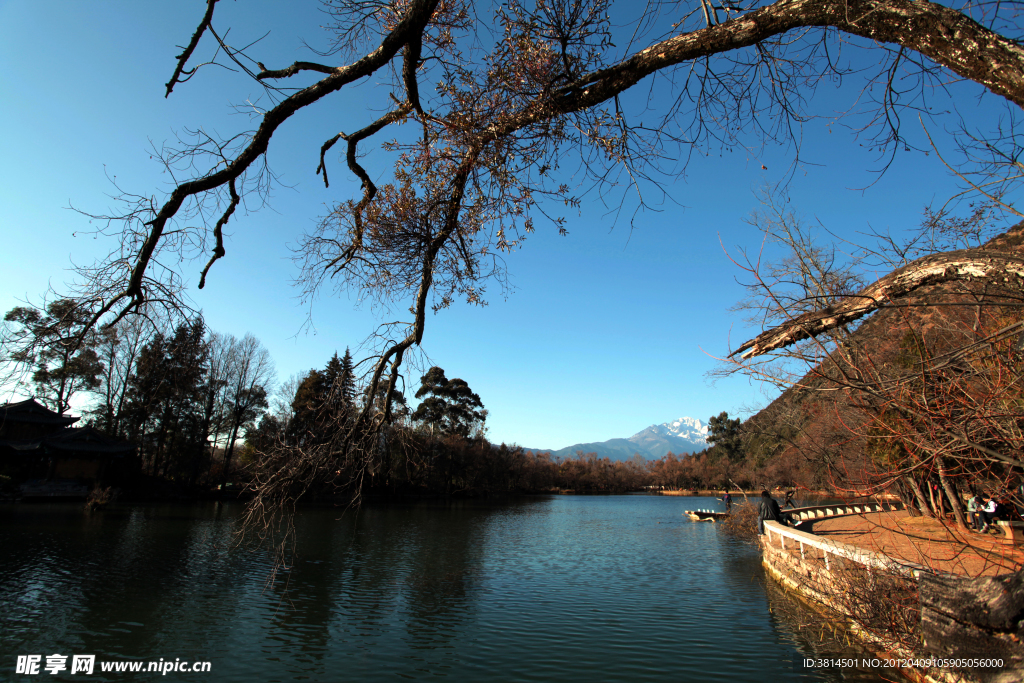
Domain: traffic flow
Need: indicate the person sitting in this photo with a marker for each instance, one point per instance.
(768, 509)
(989, 513)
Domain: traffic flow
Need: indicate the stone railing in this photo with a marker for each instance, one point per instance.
(960, 619)
(827, 548)
(838, 510)
(779, 535)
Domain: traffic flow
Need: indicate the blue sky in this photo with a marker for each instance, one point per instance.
(607, 331)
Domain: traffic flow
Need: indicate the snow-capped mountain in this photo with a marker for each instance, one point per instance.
(687, 428)
(683, 436)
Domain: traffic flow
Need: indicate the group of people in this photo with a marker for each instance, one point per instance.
(982, 512)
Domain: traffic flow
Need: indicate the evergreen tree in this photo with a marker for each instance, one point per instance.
(166, 403)
(324, 401)
(348, 378)
(450, 406)
(308, 408)
(339, 386)
(54, 343)
(726, 435)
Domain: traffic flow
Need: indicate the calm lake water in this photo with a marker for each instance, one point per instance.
(563, 588)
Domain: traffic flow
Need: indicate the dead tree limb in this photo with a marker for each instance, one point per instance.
(982, 264)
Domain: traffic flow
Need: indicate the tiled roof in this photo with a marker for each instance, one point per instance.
(34, 412)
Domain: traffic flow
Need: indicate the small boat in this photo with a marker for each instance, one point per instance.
(705, 515)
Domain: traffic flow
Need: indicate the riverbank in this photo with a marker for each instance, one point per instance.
(910, 588)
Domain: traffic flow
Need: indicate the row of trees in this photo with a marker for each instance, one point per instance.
(181, 394)
(427, 448)
(440, 448)
(188, 393)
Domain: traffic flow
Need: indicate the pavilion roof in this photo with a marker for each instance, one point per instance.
(34, 412)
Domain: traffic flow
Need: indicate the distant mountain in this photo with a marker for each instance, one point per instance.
(684, 435)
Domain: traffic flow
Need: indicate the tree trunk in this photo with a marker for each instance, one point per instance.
(954, 498)
(905, 496)
(952, 266)
(936, 504)
(922, 502)
(227, 454)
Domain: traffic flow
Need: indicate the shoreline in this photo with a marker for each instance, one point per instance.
(823, 571)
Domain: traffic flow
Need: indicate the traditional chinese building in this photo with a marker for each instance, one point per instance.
(39, 443)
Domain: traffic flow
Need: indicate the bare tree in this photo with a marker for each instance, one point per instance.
(118, 348)
(249, 376)
(216, 413)
(281, 403)
(921, 367)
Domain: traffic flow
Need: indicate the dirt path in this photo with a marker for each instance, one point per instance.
(924, 541)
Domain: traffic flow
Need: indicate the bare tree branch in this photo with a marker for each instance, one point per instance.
(183, 58)
(958, 266)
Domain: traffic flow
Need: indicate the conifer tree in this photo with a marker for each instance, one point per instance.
(348, 378)
(52, 341)
(726, 435)
(450, 406)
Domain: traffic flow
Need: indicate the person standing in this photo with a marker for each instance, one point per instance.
(767, 509)
(727, 499)
(974, 515)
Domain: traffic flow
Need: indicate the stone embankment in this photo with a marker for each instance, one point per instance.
(903, 609)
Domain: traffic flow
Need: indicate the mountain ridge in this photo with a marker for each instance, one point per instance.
(683, 435)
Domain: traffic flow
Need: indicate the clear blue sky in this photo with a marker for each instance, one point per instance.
(608, 330)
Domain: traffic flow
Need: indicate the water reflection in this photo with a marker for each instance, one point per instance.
(567, 588)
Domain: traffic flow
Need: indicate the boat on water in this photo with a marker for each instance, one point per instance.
(705, 515)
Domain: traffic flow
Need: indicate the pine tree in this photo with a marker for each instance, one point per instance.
(53, 342)
(726, 435)
(450, 406)
(348, 378)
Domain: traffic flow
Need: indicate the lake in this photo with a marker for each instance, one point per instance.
(547, 588)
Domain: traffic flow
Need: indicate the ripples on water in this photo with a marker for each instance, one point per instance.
(572, 588)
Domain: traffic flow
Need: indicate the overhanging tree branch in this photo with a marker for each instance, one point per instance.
(957, 266)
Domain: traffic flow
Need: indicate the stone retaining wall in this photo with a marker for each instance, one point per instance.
(863, 588)
(827, 590)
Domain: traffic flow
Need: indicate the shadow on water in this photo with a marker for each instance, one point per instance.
(610, 588)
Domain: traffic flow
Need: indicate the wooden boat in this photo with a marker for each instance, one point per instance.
(705, 515)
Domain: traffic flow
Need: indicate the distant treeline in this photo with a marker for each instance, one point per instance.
(188, 397)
